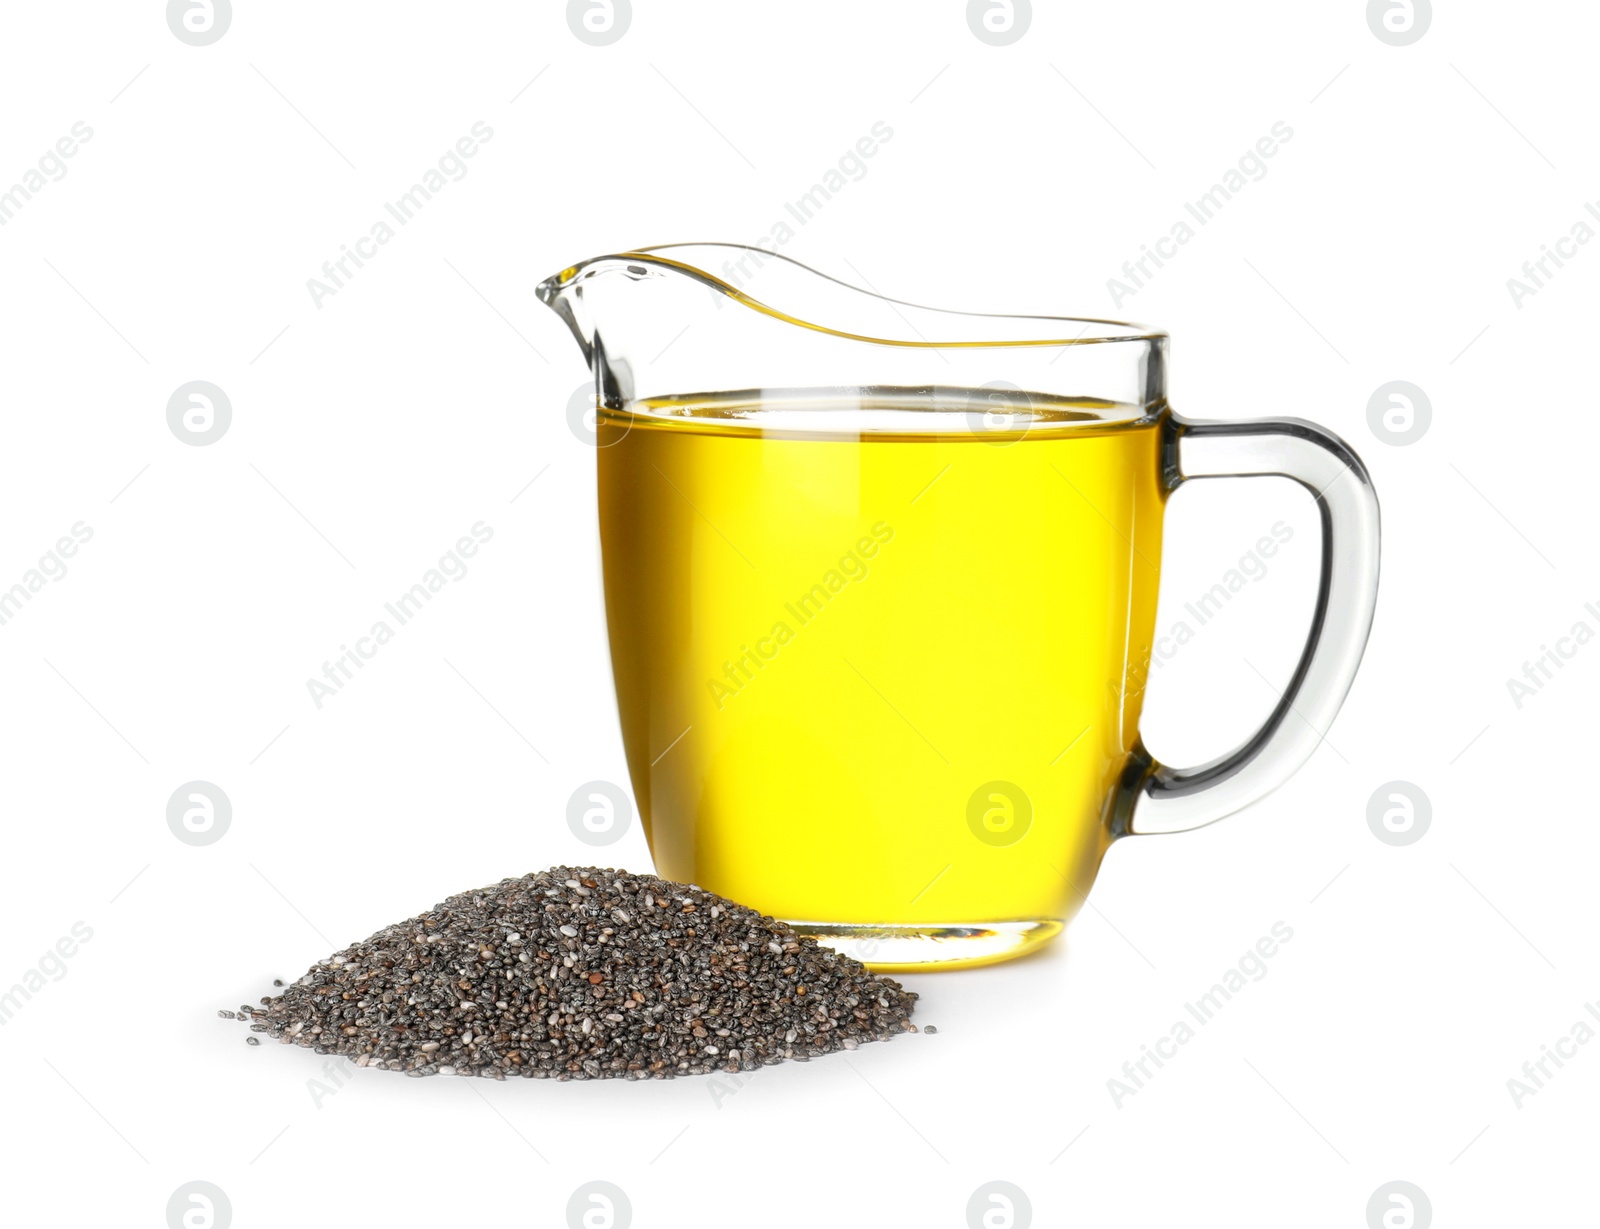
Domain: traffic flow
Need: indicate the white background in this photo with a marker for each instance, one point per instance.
(372, 432)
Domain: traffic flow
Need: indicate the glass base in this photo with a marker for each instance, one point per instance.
(930, 947)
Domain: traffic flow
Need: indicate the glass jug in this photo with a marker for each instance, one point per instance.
(880, 586)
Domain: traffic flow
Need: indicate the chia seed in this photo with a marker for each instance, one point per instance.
(583, 973)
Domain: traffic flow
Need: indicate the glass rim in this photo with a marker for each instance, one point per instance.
(1093, 330)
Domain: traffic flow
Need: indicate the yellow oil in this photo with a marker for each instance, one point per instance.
(891, 679)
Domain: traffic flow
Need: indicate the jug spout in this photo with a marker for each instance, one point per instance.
(628, 310)
(572, 294)
(560, 293)
(583, 293)
(691, 320)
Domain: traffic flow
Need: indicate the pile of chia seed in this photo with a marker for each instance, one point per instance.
(584, 974)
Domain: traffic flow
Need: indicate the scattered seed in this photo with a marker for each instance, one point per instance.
(446, 993)
(929, 1029)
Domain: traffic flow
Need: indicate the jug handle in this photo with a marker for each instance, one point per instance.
(1170, 799)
